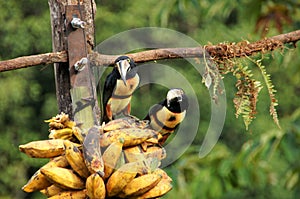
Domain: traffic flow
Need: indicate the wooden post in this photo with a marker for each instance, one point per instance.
(83, 89)
(76, 90)
(61, 70)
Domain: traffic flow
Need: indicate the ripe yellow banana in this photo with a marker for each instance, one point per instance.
(142, 159)
(163, 174)
(141, 184)
(75, 159)
(38, 181)
(64, 134)
(145, 166)
(152, 164)
(134, 154)
(69, 124)
(55, 125)
(155, 151)
(95, 187)
(151, 142)
(125, 122)
(154, 140)
(70, 195)
(52, 190)
(163, 187)
(43, 148)
(121, 161)
(120, 178)
(116, 124)
(110, 157)
(131, 136)
(92, 152)
(63, 177)
(59, 161)
(145, 145)
(57, 121)
(77, 132)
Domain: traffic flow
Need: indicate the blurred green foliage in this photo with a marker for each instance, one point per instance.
(262, 162)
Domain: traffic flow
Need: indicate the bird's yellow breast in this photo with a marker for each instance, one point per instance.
(122, 95)
(118, 105)
(167, 119)
(124, 90)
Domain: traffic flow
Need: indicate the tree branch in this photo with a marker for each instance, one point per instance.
(244, 48)
(148, 55)
(33, 60)
(219, 51)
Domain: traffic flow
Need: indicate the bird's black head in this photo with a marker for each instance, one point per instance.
(126, 67)
(176, 100)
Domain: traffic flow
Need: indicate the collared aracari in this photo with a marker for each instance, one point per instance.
(118, 88)
(165, 116)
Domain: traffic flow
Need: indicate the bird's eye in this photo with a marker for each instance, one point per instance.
(179, 98)
(128, 60)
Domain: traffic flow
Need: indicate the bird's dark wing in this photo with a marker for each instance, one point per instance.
(154, 109)
(109, 86)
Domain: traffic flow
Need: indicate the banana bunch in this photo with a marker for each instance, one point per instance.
(61, 127)
(128, 166)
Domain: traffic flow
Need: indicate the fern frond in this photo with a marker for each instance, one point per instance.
(271, 90)
(248, 87)
(246, 98)
(247, 93)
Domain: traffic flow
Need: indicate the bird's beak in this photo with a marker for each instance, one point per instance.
(123, 66)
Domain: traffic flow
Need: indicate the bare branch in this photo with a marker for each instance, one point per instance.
(149, 55)
(219, 51)
(33, 60)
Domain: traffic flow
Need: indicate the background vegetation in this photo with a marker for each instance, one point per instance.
(262, 162)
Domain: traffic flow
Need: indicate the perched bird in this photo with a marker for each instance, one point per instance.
(118, 88)
(165, 116)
